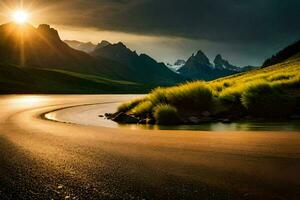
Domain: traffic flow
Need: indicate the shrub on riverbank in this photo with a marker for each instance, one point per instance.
(165, 114)
(264, 100)
(230, 96)
(193, 96)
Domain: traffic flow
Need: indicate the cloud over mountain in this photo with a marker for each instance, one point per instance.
(253, 29)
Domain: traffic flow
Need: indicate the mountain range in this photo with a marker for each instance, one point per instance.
(25, 49)
(36, 60)
(199, 67)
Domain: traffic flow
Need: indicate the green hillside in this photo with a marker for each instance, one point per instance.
(15, 79)
(271, 92)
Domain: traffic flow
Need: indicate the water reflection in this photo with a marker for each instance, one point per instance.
(238, 126)
(89, 115)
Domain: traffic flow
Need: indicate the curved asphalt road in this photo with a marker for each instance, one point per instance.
(42, 159)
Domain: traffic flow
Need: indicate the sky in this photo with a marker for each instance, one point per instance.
(242, 31)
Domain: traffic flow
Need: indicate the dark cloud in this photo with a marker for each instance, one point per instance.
(230, 20)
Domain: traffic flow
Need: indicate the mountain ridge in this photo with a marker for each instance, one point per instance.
(143, 67)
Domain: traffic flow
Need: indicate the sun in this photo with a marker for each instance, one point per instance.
(20, 16)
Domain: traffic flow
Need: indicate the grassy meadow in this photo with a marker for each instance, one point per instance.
(271, 92)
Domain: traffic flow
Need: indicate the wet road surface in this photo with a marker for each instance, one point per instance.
(43, 159)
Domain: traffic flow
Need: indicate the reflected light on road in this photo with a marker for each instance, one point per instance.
(27, 100)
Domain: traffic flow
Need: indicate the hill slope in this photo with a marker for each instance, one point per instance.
(22, 80)
(271, 92)
(286, 53)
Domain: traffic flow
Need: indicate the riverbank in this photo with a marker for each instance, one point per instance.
(271, 93)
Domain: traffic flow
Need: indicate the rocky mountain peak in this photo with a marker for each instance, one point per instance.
(198, 67)
(47, 30)
(221, 63)
(200, 53)
(121, 45)
(218, 57)
(200, 59)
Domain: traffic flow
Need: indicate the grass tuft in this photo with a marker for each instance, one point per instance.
(143, 109)
(165, 114)
(129, 105)
(195, 95)
(158, 96)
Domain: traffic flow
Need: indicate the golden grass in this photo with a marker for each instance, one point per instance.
(129, 105)
(142, 109)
